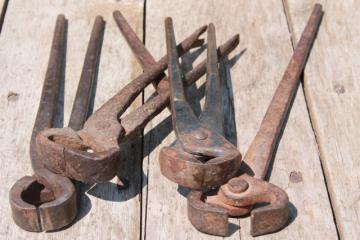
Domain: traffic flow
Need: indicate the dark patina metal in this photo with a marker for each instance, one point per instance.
(153, 106)
(201, 157)
(209, 211)
(92, 153)
(47, 201)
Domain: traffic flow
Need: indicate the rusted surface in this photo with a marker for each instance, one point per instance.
(92, 153)
(201, 157)
(141, 116)
(207, 218)
(80, 108)
(45, 201)
(250, 187)
(143, 56)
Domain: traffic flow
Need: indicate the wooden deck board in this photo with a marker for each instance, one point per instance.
(265, 36)
(106, 213)
(332, 92)
(25, 41)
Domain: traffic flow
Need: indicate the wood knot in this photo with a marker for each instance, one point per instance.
(12, 96)
(295, 177)
(339, 89)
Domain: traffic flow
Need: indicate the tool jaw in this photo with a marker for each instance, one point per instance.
(209, 214)
(264, 219)
(238, 201)
(68, 154)
(190, 171)
(206, 217)
(35, 208)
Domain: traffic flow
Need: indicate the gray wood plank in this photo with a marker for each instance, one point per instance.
(332, 91)
(253, 79)
(106, 213)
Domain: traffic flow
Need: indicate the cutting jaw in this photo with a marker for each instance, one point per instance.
(250, 193)
(91, 153)
(191, 171)
(236, 199)
(201, 157)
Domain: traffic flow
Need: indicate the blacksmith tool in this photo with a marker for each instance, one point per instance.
(47, 201)
(91, 154)
(96, 159)
(158, 103)
(200, 157)
(208, 211)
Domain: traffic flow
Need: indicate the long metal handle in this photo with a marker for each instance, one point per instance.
(81, 104)
(143, 55)
(116, 106)
(262, 148)
(183, 118)
(50, 92)
(138, 118)
(212, 117)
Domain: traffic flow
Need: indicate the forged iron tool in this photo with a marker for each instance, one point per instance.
(91, 154)
(209, 212)
(158, 103)
(103, 132)
(201, 157)
(47, 201)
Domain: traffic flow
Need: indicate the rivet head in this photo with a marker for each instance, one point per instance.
(200, 135)
(237, 185)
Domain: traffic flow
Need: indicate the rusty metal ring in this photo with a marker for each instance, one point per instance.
(35, 208)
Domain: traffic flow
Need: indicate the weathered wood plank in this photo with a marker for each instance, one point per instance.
(106, 213)
(265, 36)
(332, 91)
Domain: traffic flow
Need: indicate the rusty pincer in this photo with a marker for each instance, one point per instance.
(209, 211)
(201, 157)
(47, 201)
(91, 153)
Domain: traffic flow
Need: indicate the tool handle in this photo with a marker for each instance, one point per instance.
(51, 87)
(103, 130)
(264, 144)
(138, 118)
(81, 104)
(183, 118)
(211, 116)
(143, 56)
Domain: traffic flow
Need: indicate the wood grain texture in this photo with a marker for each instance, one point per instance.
(266, 49)
(332, 88)
(106, 213)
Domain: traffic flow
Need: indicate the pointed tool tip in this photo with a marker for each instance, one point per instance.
(61, 17)
(211, 26)
(116, 14)
(235, 39)
(201, 30)
(168, 20)
(318, 6)
(99, 19)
